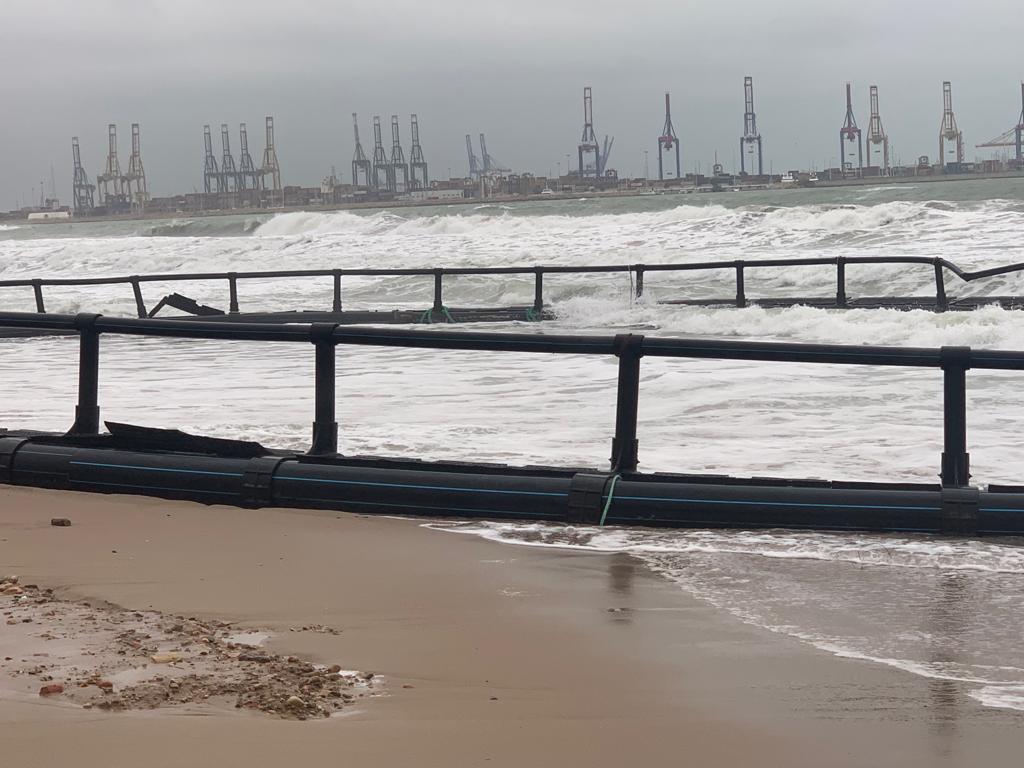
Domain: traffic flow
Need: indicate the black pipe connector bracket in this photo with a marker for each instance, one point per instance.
(86, 321)
(960, 511)
(586, 497)
(959, 357)
(628, 344)
(321, 332)
(8, 447)
(258, 480)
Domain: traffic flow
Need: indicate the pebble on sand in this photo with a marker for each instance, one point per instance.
(60, 522)
(51, 688)
(165, 658)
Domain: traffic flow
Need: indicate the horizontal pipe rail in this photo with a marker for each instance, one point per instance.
(523, 270)
(493, 341)
(438, 310)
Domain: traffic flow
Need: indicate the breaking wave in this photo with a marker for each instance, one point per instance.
(746, 226)
(209, 226)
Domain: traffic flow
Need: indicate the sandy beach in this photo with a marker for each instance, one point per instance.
(482, 653)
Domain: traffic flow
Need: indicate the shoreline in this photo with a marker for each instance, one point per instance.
(506, 199)
(491, 653)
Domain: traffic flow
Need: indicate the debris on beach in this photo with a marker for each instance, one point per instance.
(107, 658)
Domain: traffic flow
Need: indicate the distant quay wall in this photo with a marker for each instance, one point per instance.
(870, 181)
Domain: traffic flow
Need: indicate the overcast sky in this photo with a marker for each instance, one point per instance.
(514, 70)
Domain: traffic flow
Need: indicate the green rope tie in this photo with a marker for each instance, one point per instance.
(428, 316)
(608, 503)
(532, 315)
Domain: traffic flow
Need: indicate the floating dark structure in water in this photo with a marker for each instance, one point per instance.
(440, 312)
(172, 464)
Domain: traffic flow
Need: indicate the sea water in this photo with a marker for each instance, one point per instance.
(942, 608)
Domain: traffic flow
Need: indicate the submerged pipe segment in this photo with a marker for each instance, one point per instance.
(440, 312)
(583, 496)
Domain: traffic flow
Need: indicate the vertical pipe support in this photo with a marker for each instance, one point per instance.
(741, 292)
(325, 425)
(438, 287)
(538, 290)
(956, 461)
(629, 348)
(233, 291)
(37, 289)
(87, 411)
(336, 304)
(140, 304)
(840, 282)
(941, 302)
(639, 269)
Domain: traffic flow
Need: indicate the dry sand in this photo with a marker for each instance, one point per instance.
(484, 654)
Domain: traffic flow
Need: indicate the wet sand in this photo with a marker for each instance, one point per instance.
(486, 654)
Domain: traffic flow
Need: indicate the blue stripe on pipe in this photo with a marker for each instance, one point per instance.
(775, 503)
(419, 487)
(152, 487)
(158, 469)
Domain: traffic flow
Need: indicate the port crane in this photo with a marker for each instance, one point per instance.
(588, 145)
(850, 134)
(1013, 137)
(876, 133)
(84, 191)
(362, 169)
(474, 164)
(491, 166)
(751, 138)
(948, 131)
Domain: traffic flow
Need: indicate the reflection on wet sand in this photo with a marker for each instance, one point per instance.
(948, 620)
(621, 574)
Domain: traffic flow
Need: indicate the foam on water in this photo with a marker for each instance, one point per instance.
(1003, 696)
(936, 608)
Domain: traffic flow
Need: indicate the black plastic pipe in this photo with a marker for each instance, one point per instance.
(941, 302)
(741, 291)
(500, 492)
(336, 303)
(724, 349)
(438, 288)
(840, 282)
(325, 425)
(625, 446)
(232, 293)
(37, 289)
(955, 459)
(87, 411)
